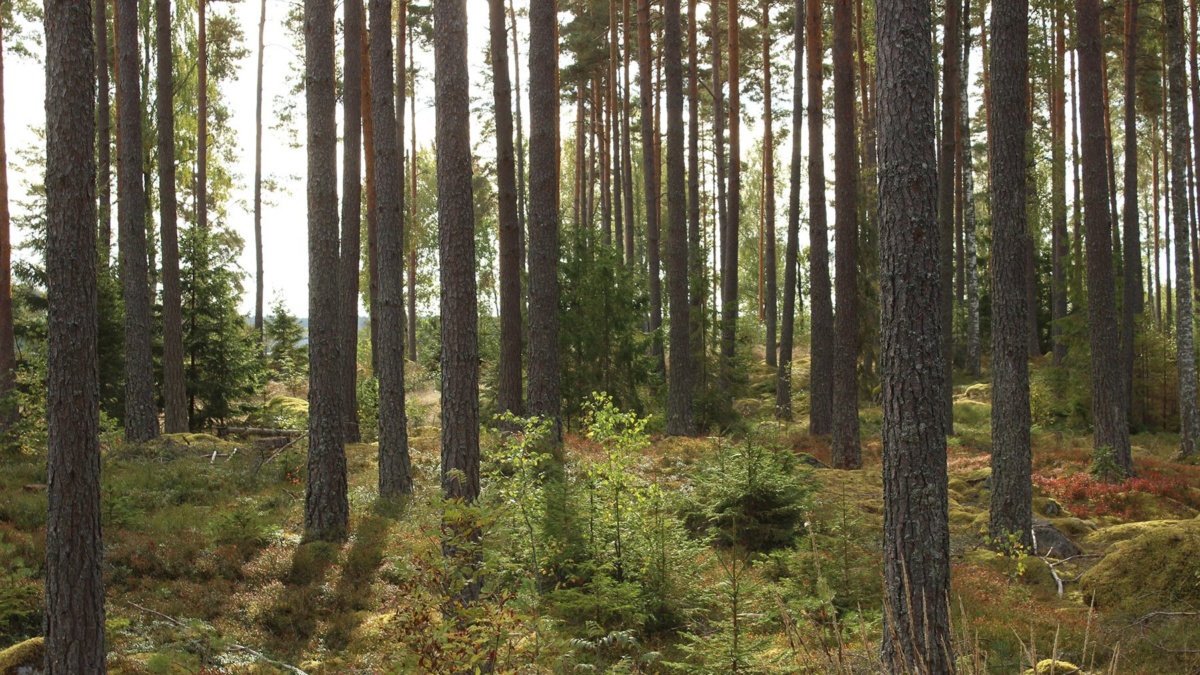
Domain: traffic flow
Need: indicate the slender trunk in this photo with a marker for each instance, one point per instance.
(1058, 191)
(696, 287)
(1109, 417)
(1194, 165)
(626, 148)
(950, 56)
(649, 177)
(202, 116)
(1011, 513)
(326, 509)
(174, 396)
(141, 417)
(1157, 291)
(395, 472)
(373, 271)
(509, 389)
(970, 254)
(772, 290)
(1077, 257)
(847, 452)
(613, 129)
(1169, 214)
(103, 124)
(783, 380)
(8, 356)
(74, 551)
(679, 399)
(354, 52)
(719, 150)
(258, 149)
(1132, 298)
(820, 420)
(411, 334)
(520, 148)
(1189, 420)
(916, 544)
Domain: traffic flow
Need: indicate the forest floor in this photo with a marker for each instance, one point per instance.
(206, 573)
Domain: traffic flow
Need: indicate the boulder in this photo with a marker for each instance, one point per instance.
(1052, 543)
(1153, 571)
(24, 658)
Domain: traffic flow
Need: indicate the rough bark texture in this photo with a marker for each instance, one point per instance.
(1189, 421)
(650, 176)
(729, 243)
(847, 453)
(103, 134)
(141, 416)
(326, 510)
(820, 414)
(509, 391)
(680, 421)
(258, 148)
(1108, 410)
(970, 255)
(946, 157)
(1011, 506)
(202, 115)
(626, 145)
(411, 314)
(916, 545)
(1132, 299)
(1058, 192)
(783, 378)
(696, 288)
(353, 51)
(544, 394)
(8, 356)
(459, 303)
(770, 302)
(395, 472)
(74, 552)
(174, 396)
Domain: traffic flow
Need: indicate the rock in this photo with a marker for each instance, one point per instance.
(809, 460)
(1052, 508)
(1105, 537)
(1155, 570)
(1054, 667)
(1050, 542)
(24, 658)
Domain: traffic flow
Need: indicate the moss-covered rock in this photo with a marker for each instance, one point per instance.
(1054, 667)
(1155, 570)
(30, 654)
(1105, 537)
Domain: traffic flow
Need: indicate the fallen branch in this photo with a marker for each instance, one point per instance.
(255, 431)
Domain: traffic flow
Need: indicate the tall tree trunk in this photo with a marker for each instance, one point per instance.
(1169, 214)
(545, 398)
(368, 137)
(696, 287)
(847, 453)
(772, 289)
(459, 303)
(258, 148)
(783, 379)
(355, 53)
(820, 414)
(1155, 141)
(718, 95)
(916, 544)
(614, 134)
(202, 115)
(174, 396)
(626, 148)
(1189, 420)
(1195, 166)
(1011, 511)
(141, 417)
(326, 509)
(74, 551)
(650, 178)
(8, 356)
(1058, 192)
(970, 254)
(410, 236)
(1110, 419)
(680, 421)
(103, 134)
(1077, 256)
(509, 389)
(950, 56)
(395, 473)
(520, 149)
(1132, 299)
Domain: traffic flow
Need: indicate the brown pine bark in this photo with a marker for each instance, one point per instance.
(916, 545)
(771, 308)
(696, 287)
(354, 53)
(326, 509)
(201, 115)
(103, 133)
(1059, 247)
(368, 133)
(847, 452)
(614, 135)
(650, 177)
(783, 378)
(411, 334)
(820, 415)
(1132, 299)
(175, 417)
(74, 551)
(8, 356)
(680, 421)
(946, 163)
(508, 395)
(1108, 410)
(626, 147)
(141, 417)
(722, 214)
(729, 248)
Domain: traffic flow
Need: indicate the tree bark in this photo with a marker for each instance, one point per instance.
(783, 379)
(916, 543)
(696, 288)
(1058, 192)
(718, 96)
(8, 356)
(141, 417)
(1011, 505)
(174, 395)
(509, 390)
(626, 147)
(950, 55)
(258, 148)
(729, 248)
(1132, 299)
(410, 236)
(847, 453)
(970, 254)
(1189, 420)
(544, 394)
(326, 509)
(201, 115)
(650, 178)
(820, 421)
(680, 421)
(354, 52)
(103, 134)
(74, 551)
(1109, 416)
(769, 265)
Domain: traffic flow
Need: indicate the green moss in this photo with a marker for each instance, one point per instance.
(30, 653)
(1054, 667)
(980, 391)
(1105, 537)
(1156, 570)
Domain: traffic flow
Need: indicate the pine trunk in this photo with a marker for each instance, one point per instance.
(174, 396)
(771, 309)
(1058, 192)
(354, 52)
(820, 421)
(970, 247)
(679, 398)
(258, 149)
(1132, 298)
(950, 56)
(696, 286)
(650, 177)
(783, 380)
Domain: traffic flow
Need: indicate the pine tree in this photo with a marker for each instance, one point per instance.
(650, 172)
(732, 225)
(679, 399)
(946, 164)
(175, 417)
(353, 52)
(783, 381)
(258, 181)
(771, 287)
(820, 414)
(8, 356)
(1132, 301)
